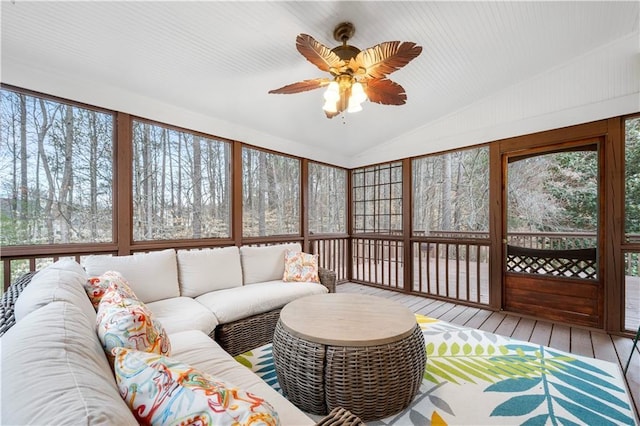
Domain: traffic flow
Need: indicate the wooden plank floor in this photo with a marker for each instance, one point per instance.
(580, 341)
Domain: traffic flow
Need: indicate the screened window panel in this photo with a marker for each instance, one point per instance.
(56, 172)
(327, 199)
(181, 185)
(270, 194)
(632, 180)
(451, 192)
(377, 199)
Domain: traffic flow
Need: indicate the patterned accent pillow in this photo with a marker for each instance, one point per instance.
(124, 321)
(96, 286)
(300, 266)
(162, 390)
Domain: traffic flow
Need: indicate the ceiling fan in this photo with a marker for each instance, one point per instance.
(356, 75)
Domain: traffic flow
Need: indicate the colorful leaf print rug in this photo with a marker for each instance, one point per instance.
(478, 378)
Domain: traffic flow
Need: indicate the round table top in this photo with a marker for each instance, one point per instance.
(344, 319)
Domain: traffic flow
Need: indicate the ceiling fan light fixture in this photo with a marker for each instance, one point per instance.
(354, 106)
(356, 75)
(330, 106)
(332, 93)
(331, 97)
(357, 92)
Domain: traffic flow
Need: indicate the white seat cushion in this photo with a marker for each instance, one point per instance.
(198, 350)
(241, 302)
(54, 371)
(183, 313)
(261, 264)
(202, 271)
(152, 276)
(62, 281)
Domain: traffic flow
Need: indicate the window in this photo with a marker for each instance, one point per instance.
(451, 193)
(56, 170)
(632, 179)
(181, 185)
(377, 199)
(327, 199)
(270, 194)
(632, 222)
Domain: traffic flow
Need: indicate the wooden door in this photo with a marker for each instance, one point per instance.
(551, 242)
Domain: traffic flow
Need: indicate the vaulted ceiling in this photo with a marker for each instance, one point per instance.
(488, 70)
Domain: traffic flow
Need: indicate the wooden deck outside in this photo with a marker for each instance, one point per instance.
(451, 280)
(576, 340)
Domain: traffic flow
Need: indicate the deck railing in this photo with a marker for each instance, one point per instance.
(378, 260)
(447, 264)
(332, 254)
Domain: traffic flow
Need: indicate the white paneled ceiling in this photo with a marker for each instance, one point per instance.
(488, 69)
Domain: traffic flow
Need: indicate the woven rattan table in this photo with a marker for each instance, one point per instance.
(360, 352)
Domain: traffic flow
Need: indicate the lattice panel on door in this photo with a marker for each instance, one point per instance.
(580, 263)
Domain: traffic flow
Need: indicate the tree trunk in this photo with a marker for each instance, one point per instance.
(147, 187)
(197, 188)
(262, 188)
(66, 185)
(42, 133)
(93, 175)
(446, 193)
(23, 205)
(163, 177)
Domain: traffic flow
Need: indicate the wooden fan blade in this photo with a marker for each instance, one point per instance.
(317, 53)
(385, 58)
(302, 86)
(384, 91)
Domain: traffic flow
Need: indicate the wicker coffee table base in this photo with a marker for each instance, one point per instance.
(372, 382)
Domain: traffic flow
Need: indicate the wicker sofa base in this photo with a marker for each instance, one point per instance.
(372, 382)
(247, 333)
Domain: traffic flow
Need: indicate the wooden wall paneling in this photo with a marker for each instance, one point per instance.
(304, 205)
(407, 226)
(497, 232)
(613, 230)
(349, 218)
(565, 134)
(236, 193)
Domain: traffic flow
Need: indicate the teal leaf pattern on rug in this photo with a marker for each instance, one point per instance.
(476, 377)
(581, 389)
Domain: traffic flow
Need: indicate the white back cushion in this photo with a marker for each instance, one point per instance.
(260, 264)
(152, 276)
(62, 281)
(202, 271)
(54, 371)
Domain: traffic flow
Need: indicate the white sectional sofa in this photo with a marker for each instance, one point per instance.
(232, 294)
(54, 368)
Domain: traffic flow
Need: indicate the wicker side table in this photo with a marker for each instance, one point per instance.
(363, 353)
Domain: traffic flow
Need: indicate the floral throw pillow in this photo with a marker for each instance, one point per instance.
(301, 267)
(124, 321)
(161, 390)
(96, 286)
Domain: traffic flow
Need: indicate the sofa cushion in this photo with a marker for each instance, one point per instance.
(300, 266)
(235, 303)
(183, 313)
(124, 321)
(60, 281)
(198, 350)
(152, 276)
(54, 371)
(164, 390)
(97, 286)
(260, 264)
(202, 271)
